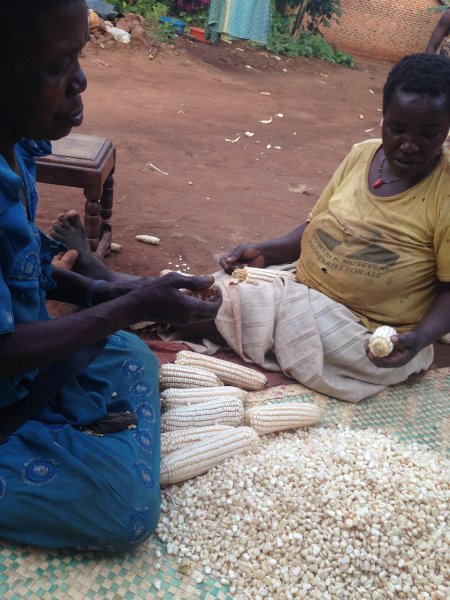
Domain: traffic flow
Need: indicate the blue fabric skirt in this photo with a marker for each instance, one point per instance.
(61, 487)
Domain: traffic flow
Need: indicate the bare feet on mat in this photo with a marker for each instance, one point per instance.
(69, 230)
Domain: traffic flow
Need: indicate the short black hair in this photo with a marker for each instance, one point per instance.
(21, 18)
(427, 74)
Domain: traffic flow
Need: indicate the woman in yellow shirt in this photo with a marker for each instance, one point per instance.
(376, 244)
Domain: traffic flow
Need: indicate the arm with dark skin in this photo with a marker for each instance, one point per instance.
(280, 250)
(72, 287)
(33, 345)
(434, 324)
(441, 30)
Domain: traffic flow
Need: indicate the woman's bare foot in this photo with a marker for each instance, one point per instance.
(69, 230)
(65, 260)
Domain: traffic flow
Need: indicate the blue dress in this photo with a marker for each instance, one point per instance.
(60, 486)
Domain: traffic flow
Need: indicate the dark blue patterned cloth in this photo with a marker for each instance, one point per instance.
(61, 486)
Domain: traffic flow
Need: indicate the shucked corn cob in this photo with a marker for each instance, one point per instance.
(380, 341)
(198, 458)
(221, 411)
(228, 372)
(208, 295)
(148, 239)
(174, 440)
(180, 376)
(255, 275)
(278, 417)
(175, 397)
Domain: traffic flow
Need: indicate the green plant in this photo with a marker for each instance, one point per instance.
(151, 10)
(196, 18)
(441, 8)
(307, 44)
(319, 13)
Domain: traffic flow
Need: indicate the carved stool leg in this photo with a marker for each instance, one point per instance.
(92, 222)
(106, 205)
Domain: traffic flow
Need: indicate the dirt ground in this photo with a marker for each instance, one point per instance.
(205, 194)
(177, 111)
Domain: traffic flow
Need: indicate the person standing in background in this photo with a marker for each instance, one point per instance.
(438, 37)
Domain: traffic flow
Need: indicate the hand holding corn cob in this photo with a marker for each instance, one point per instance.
(162, 301)
(380, 344)
(254, 275)
(385, 352)
(244, 255)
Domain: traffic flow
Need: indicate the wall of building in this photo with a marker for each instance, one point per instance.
(384, 29)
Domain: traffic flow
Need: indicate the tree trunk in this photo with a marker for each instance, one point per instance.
(281, 6)
(295, 31)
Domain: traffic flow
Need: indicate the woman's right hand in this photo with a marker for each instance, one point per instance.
(244, 255)
(161, 300)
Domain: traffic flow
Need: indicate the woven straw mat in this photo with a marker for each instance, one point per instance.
(413, 412)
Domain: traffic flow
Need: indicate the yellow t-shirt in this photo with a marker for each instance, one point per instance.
(380, 257)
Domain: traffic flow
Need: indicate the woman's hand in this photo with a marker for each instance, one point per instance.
(406, 346)
(280, 250)
(109, 290)
(244, 255)
(161, 300)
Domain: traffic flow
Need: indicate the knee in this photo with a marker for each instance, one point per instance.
(138, 527)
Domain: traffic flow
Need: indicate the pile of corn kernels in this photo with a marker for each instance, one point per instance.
(324, 514)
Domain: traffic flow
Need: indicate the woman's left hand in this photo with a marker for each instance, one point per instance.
(406, 346)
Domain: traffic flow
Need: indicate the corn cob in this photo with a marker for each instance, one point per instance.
(198, 458)
(208, 295)
(278, 417)
(229, 373)
(380, 341)
(174, 440)
(148, 239)
(167, 271)
(175, 397)
(115, 247)
(180, 376)
(255, 275)
(221, 411)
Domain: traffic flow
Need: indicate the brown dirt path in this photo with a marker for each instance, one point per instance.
(176, 112)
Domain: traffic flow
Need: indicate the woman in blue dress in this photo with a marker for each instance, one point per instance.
(82, 471)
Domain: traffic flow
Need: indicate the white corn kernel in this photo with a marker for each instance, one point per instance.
(175, 397)
(380, 343)
(220, 411)
(228, 372)
(256, 275)
(179, 376)
(198, 458)
(148, 239)
(174, 440)
(281, 416)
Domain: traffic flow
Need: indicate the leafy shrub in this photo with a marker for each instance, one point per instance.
(308, 44)
(196, 18)
(319, 12)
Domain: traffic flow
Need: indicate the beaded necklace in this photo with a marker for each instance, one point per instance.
(379, 180)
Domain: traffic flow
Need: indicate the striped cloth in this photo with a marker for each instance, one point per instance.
(244, 19)
(289, 327)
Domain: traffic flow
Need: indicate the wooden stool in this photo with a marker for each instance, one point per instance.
(87, 162)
